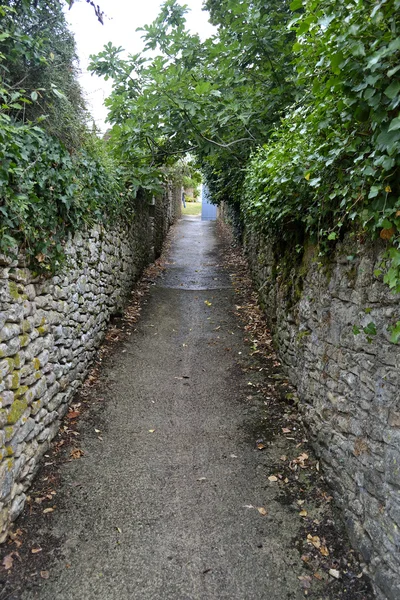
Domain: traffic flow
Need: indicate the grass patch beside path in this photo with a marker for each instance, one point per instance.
(192, 208)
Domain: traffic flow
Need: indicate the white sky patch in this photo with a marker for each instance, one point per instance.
(122, 18)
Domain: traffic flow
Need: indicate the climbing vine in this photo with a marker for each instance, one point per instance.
(333, 163)
(55, 175)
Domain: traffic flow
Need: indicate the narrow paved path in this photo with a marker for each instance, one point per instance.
(172, 513)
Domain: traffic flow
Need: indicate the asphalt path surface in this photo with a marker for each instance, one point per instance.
(165, 505)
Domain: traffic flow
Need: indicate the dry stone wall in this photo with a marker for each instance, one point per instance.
(349, 386)
(165, 208)
(50, 330)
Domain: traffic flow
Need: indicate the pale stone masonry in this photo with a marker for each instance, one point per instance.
(51, 328)
(349, 384)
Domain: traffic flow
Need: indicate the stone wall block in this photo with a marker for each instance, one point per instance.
(9, 331)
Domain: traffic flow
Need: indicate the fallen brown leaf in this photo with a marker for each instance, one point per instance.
(272, 478)
(36, 550)
(8, 562)
(15, 534)
(44, 574)
(48, 510)
(324, 551)
(76, 453)
(261, 510)
(314, 540)
(73, 414)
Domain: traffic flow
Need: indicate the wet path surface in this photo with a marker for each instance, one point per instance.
(164, 502)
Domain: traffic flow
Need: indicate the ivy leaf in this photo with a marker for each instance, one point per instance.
(392, 90)
(395, 124)
(370, 329)
(374, 191)
(395, 333)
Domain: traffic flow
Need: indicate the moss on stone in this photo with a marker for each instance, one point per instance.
(36, 363)
(9, 432)
(17, 360)
(21, 391)
(24, 340)
(13, 289)
(15, 380)
(17, 409)
(26, 326)
(42, 330)
(301, 335)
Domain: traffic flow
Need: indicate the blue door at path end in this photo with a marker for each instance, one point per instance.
(208, 210)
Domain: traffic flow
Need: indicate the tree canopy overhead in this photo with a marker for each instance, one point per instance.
(218, 98)
(55, 176)
(291, 109)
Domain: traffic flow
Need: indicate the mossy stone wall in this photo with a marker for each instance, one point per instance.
(50, 330)
(349, 385)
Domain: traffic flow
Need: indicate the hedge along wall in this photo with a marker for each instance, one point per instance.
(348, 384)
(50, 330)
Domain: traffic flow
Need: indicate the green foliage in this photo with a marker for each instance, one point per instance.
(333, 162)
(395, 333)
(217, 99)
(38, 69)
(291, 110)
(55, 176)
(45, 192)
(369, 330)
